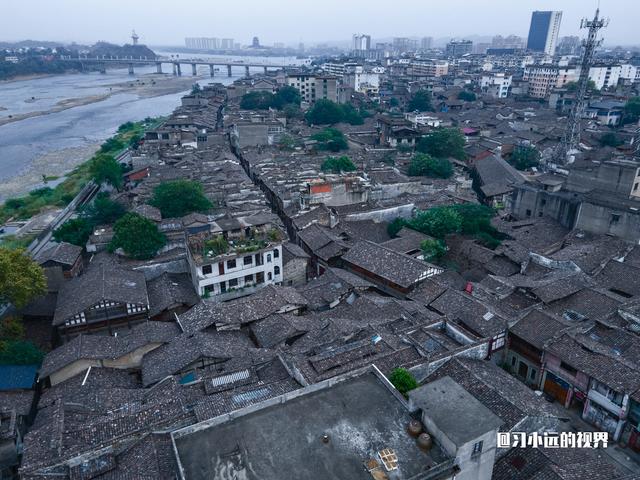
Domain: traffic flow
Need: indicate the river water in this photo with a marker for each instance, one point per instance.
(72, 131)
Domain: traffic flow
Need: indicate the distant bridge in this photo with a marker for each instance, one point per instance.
(104, 60)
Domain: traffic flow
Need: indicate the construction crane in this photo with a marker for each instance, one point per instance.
(571, 139)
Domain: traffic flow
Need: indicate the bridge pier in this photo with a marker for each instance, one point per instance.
(194, 69)
(246, 71)
(229, 70)
(179, 70)
(211, 70)
(175, 70)
(158, 67)
(265, 70)
(103, 68)
(131, 69)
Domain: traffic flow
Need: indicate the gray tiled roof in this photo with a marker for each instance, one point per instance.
(100, 282)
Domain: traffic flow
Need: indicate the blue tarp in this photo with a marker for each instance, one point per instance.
(17, 377)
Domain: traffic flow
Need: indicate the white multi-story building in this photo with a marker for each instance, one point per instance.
(436, 68)
(497, 84)
(543, 32)
(605, 76)
(241, 266)
(361, 80)
(423, 119)
(361, 42)
(202, 43)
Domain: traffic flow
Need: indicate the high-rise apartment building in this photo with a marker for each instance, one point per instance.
(543, 31)
(361, 42)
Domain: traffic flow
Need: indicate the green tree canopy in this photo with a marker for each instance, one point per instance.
(433, 249)
(395, 226)
(21, 279)
(258, 100)
(105, 169)
(139, 237)
(286, 95)
(403, 380)
(324, 112)
(524, 157)
(573, 86)
(103, 210)
(112, 145)
(467, 96)
(75, 231)
(180, 197)
(337, 165)
(632, 109)
(331, 139)
(443, 143)
(437, 222)
(425, 165)
(420, 101)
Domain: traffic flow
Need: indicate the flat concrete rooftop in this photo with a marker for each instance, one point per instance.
(360, 415)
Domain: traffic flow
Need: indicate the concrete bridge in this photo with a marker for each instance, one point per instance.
(177, 63)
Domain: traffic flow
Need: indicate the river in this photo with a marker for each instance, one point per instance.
(53, 143)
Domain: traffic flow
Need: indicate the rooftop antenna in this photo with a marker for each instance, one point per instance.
(571, 139)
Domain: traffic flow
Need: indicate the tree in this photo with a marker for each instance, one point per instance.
(105, 169)
(420, 101)
(351, 115)
(433, 249)
(126, 127)
(425, 165)
(475, 218)
(324, 112)
(437, 222)
(103, 210)
(632, 109)
(524, 157)
(443, 143)
(258, 100)
(292, 111)
(112, 145)
(573, 86)
(338, 164)
(394, 102)
(75, 231)
(467, 96)
(331, 139)
(195, 89)
(395, 226)
(287, 96)
(139, 237)
(21, 279)
(286, 142)
(180, 197)
(403, 380)
(609, 139)
(19, 352)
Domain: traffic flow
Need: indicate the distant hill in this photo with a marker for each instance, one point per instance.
(127, 50)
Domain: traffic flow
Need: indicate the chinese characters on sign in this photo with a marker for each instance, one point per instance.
(553, 440)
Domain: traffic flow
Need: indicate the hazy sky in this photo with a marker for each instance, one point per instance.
(167, 22)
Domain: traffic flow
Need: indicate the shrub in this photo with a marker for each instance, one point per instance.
(338, 164)
(423, 164)
(403, 381)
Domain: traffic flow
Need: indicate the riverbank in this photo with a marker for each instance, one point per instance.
(147, 86)
(60, 192)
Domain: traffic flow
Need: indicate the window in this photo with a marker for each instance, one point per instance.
(248, 279)
(258, 258)
(276, 253)
(207, 270)
(477, 449)
(269, 275)
(208, 288)
(231, 264)
(568, 368)
(615, 218)
(268, 258)
(276, 270)
(635, 187)
(223, 287)
(528, 212)
(165, 136)
(247, 260)
(233, 282)
(260, 277)
(513, 361)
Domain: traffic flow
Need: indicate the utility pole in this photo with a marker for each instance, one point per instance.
(571, 137)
